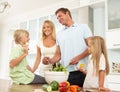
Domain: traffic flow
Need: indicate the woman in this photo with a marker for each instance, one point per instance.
(46, 47)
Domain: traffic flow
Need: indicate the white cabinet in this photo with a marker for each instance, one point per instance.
(114, 82)
(90, 2)
(112, 39)
(92, 12)
(113, 24)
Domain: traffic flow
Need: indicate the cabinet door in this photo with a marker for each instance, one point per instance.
(113, 39)
(114, 82)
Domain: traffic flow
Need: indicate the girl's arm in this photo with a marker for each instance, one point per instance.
(101, 81)
(16, 61)
(37, 61)
(101, 78)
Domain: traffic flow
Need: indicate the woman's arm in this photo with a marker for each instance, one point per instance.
(37, 61)
(54, 59)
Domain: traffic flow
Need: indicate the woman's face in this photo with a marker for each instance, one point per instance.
(47, 30)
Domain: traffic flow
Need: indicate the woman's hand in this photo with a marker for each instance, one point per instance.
(46, 60)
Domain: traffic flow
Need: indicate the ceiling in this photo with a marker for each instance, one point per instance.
(22, 6)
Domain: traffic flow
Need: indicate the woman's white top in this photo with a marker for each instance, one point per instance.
(92, 81)
(45, 52)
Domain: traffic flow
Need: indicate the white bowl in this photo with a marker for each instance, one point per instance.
(57, 76)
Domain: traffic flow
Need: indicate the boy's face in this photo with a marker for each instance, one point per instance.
(25, 38)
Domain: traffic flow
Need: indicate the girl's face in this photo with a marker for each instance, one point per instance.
(47, 30)
(25, 38)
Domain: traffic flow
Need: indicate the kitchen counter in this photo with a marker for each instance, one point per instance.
(7, 86)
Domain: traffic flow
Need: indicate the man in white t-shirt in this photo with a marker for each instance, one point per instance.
(71, 46)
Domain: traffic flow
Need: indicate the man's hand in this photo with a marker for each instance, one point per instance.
(74, 60)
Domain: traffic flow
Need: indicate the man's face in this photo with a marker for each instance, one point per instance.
(62, 17)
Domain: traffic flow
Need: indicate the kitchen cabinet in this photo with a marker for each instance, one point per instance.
(90, 2)
(114, 81)
(113, 24)
(106, 20)
(95, 14)
(112, 39)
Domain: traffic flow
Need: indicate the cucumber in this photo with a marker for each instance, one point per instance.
(47, 88)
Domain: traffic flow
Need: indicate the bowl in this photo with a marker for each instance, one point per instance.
(57, 76)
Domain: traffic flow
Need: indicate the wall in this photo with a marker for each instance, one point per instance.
(10, 24)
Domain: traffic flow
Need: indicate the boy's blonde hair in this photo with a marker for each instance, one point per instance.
(98, 47)
(18, 34)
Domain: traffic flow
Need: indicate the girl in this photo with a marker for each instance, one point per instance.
(98, 65)
(20, 71)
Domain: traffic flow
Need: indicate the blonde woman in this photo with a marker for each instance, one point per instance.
(20, 71)
(46, 47)
(98, 65)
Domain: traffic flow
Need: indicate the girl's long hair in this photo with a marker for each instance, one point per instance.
(98, 47)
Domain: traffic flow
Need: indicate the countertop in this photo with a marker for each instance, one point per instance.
(7, 86)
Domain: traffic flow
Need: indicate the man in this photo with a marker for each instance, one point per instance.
(71, 46)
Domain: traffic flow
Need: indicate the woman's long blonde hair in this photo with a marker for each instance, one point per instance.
(52, 27)
(98, 47)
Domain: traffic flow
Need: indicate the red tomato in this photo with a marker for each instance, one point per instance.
(63, 87)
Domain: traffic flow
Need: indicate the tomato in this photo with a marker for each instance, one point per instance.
(63, 86)
(62, 89)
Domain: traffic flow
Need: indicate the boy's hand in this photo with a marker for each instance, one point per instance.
(29, 68)
(25, 49)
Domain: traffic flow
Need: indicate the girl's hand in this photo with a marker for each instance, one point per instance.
(103, 89)
(82, 70)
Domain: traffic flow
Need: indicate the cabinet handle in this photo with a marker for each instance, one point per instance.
(116, 44)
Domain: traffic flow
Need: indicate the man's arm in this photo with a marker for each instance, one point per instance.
(76, 59)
